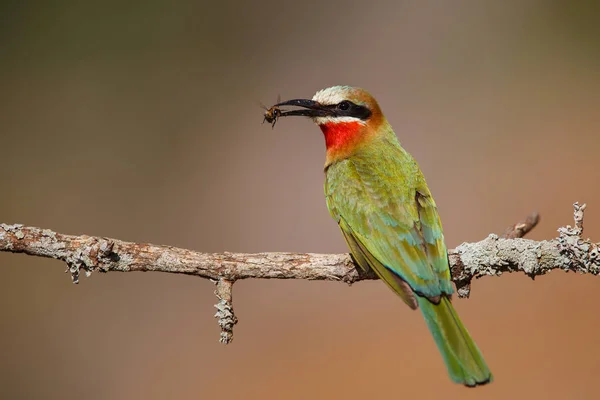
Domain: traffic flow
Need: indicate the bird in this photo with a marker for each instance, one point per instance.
(378, 196)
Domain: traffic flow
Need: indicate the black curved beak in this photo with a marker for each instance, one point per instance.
(311, 108)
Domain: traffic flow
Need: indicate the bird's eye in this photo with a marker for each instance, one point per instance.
(344, 105)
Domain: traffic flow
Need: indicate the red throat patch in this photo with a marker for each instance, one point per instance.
(341, 136)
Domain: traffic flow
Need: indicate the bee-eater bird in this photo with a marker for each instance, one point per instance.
(377, 194)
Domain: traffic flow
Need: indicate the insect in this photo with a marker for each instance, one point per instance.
(272, 114)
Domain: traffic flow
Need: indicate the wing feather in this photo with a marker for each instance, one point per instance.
(393, 229)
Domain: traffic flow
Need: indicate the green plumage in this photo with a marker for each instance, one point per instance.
(384, 208)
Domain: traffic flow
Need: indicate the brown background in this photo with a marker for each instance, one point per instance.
(139, 121)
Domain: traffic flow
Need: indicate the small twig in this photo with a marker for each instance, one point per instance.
(225, 314)
(578, 216)
(582, 255)
(521, 229)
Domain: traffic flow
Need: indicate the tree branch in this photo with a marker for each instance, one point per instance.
(491, 256)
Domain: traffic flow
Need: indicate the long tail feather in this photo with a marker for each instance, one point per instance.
(460, 353)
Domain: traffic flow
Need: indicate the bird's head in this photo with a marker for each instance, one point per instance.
(349, 118)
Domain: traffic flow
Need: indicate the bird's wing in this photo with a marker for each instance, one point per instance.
(366, 261)
(433, 237)
(396, 233)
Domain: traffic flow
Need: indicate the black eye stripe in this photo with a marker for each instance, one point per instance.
(348, 109)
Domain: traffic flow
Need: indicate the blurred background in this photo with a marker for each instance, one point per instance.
(140, 121)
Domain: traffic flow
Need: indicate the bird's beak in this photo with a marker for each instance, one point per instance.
(311, 108)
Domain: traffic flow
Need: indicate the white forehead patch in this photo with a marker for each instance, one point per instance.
(330, 96)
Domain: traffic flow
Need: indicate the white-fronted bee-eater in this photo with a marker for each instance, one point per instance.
(377, 194)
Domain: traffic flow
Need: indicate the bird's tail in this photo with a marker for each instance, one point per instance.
(462, 357)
